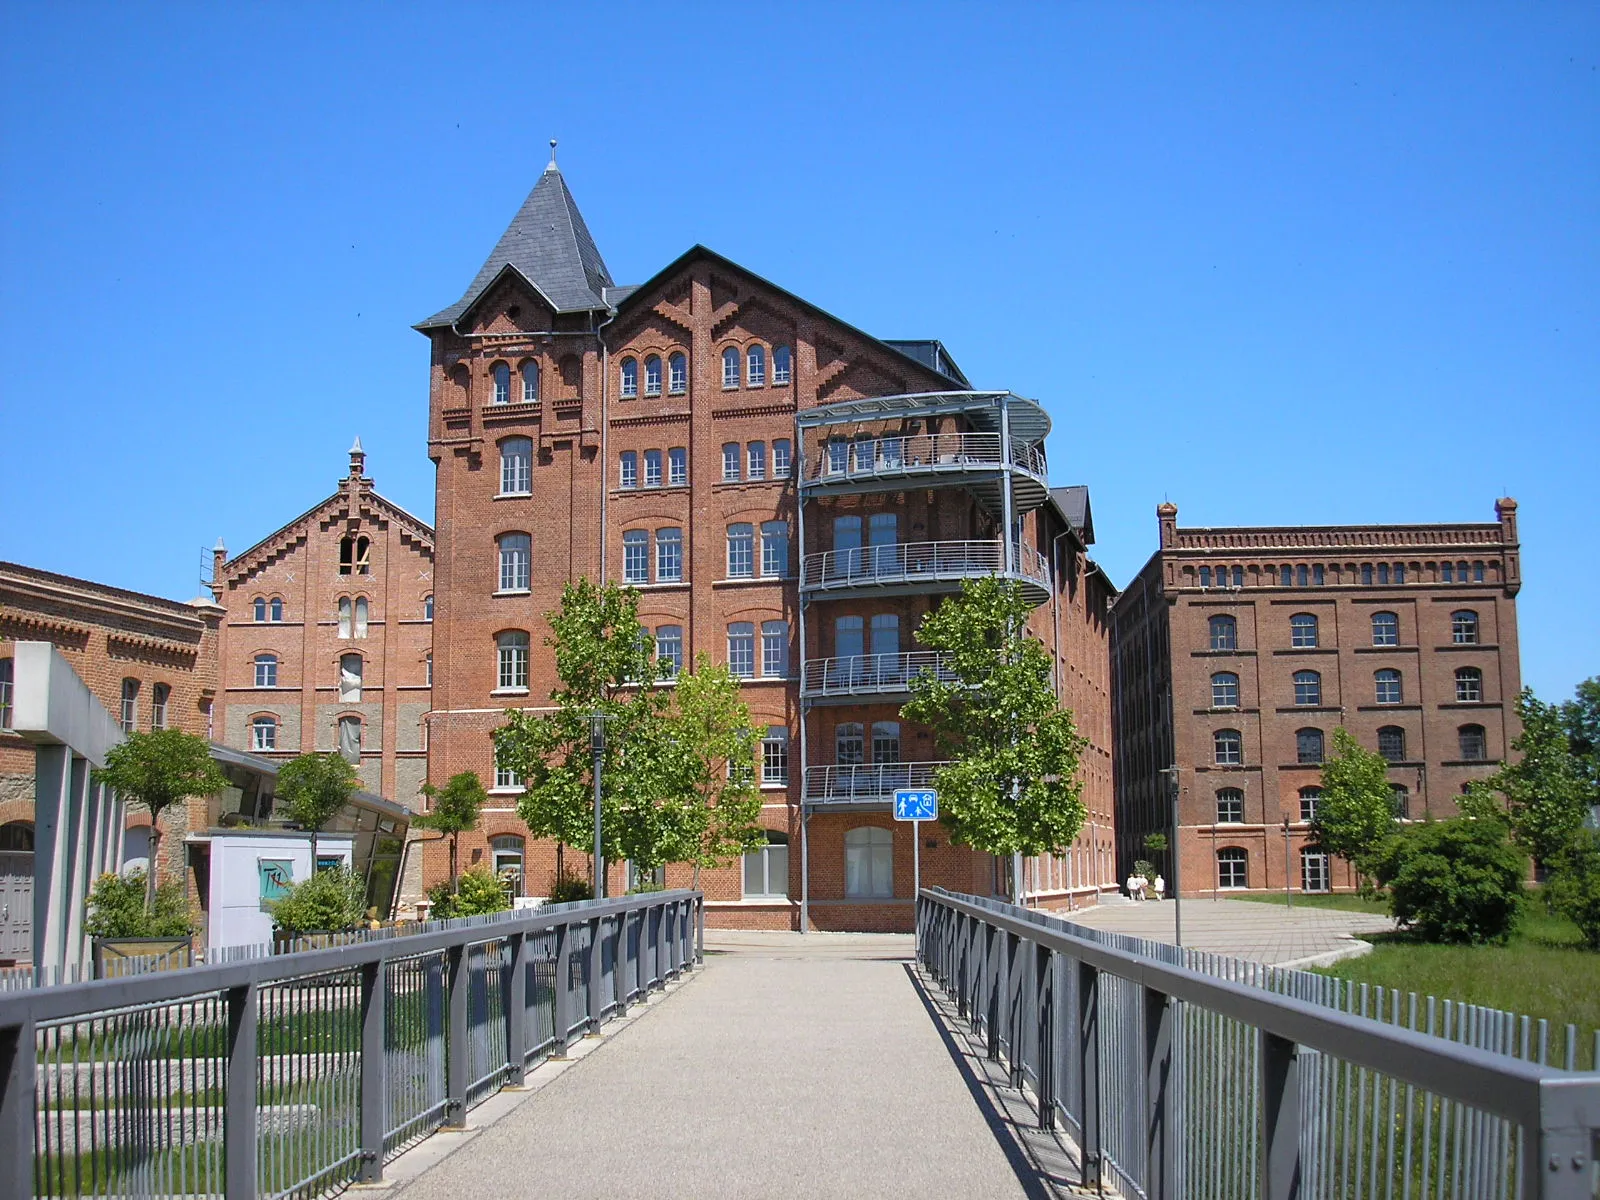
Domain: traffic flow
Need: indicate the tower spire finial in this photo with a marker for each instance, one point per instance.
(552, 166)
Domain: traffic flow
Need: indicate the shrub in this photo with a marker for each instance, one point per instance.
(330, 901)
(480, 892)
(1573, 890)
(1454, 881)
(117, 909)
(564, 889)
(1146, 869)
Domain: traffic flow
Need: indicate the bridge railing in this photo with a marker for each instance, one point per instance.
(1179, 1084)
(297, 1073)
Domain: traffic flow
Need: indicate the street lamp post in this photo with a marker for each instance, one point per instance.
(597, 742)
(1171, 775)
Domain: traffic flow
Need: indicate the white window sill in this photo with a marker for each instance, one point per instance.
(751, 580)
(509, 692)
(775, 787)
(753, 902)
(507, 791)
(767, 679)
(513, 592)
(665, 585)
(513, 495)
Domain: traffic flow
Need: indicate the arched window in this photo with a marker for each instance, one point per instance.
(1224, 633)
(1400, 801)
(1474, 745)
(775, 549)
(506, 855)
(849, 744)
(1469, 685)
(275, 609)
(756, 453)
(780, 365)
(351, 668)
(1227, 748)
(775, 756)
(669, 555)
(730, 367)
(159, 695)
(17, 837)
(741, 551)
(730, 462)
(516, 466)
(1230, 806)
(355, 554)
(8, 682)
(636, 556)
(263, 733)
(1205, 577)
(530, 382)
(677, 374)
(1387, 686)
(516, 561)
(1308, 746)
(766, 868)
(427, 607)
(1308, 802)
(669, 650)
(1314, 875)
(780, 458)
(1385, 629)
(571, 378)
(630, 378)
(350, 739)
(361, 617)
(885, 742)
(652, 468)
(652, 375)
(500, 374)
(345, 613)
(266, 671)
(775, 649)
(261, 608)
(1303, 631)
(512, 651)
(1224, 690)
(628, 469)
(677, 466)
(868, 862)
(1477, 572)
(742, 649)
(1307, 687)
(1392, 743)
(1233, 868)
(756, 366)
(1464, 627)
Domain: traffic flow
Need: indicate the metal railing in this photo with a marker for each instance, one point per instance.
(1176, 1083)
(867, 783)
(866, 674)
(917, 562)
(299, 1073)
(896, 456)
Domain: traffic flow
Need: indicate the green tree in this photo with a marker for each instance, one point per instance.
(158, 770)
(1454, 881)
(479, 891)
(118, 909)
(1012, 786)
(330, 901)
(312, 788)
(454, 812)
(1581, 716)
(1355, 812)
(1545, 789)
(1574, 886)
(606, 663)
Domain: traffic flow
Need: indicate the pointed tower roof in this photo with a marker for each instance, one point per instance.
(547, 244)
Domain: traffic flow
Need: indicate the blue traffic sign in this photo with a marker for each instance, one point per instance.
(916, 805)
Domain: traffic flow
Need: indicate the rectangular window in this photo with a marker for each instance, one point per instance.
(516, 467)
(506, 779)
(766, 870)
(741, 551)
(775, 649)
(264, 734)
(730, 462)
(652, 468)
(158, 705)
(838, 455)
(775, 549)
(742, 649)
(630, 470)
(669, 555)
(678, 374)
(780, 458)
(7, 681)
(677, 466)
(1317, 576)
(758, 460)
(1231, 869)
(1286, 577)
(636, 556)
(266, 677)
(1313, 871)
(516, 562)
(775, 755)
(1383, 574)
(669, 649)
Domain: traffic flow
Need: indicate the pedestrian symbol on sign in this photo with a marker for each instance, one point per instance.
(913, 804)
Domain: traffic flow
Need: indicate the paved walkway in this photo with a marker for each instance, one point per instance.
(1269, 933)
(788, 1066)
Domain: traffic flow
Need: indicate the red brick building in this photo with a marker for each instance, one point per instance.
(326, 639)
(789, 495)
(1237, 652)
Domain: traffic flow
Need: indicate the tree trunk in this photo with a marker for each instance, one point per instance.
(313, 853)
(1016, 878)
(455, 880)
(561, 860)
(155, 863)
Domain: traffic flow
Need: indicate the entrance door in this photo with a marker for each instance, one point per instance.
(16, 891)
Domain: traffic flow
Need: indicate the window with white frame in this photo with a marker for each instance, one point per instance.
(766, 868)
(1469, 685)
(730, 367)
(742, 649)
(511, 648)
(506, 857)
(346, 615)
(1224, 633)
(1303, 631)
(500, 374)
(669, 555)
(159, 695)
(351, 669)
(868, 863)
(1308, 687)
(266, 673)
(1233, 868)
(775, 756)
(756, 366)
(781, 463)
(516, 562)
(677, 466)
(677, 374)
(775, 649)
(260, 608)
(130, 698)
(628, 469)
(1227, 748)
(1224, 690)
(775, 549)
(1230, 806)
(885, 742)
(427, 607)
(757, 456)
(730, 462)
(1385, 629)
(263, 733)
(741, 551)
(428, 671)
(652, 468)
(1387, 687)
(636, 556)
(1400, 801)
(780, 365)
(516, 466)
(629, 386)
(530, 382)
(506, 779)
(669, 650)
(1314, 874)
(838, 456)
(1308, 803)
(849, 744)
(275, 609)
(350, 739)
(1464, 627)
(652, 375)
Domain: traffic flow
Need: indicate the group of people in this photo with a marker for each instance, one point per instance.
(1137, 885)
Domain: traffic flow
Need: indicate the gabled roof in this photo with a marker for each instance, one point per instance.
(414, 525)
(1074, 505)
(549, 247)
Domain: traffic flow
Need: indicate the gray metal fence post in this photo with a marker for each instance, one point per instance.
(1089, 1071)
(660, 914)
(1014, 1009)
(1161, 1115)
(563, 986)
(517, 1009)
(374, 1070)
(674, 943)
(1279, 1066)
(455, 1056)
(700, 927)
(619, 964)
(993, 981)
(239, 1103)
(18, 1064)
(595, 961)
(1045, 1035)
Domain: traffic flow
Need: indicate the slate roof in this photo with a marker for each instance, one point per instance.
(1074, 505)
(930, 352)
(547, 244)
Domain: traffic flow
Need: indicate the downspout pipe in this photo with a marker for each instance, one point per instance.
(605, 435)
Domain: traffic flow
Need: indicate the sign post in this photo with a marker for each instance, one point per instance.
(916, 805)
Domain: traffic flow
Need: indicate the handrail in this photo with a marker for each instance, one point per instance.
(978, 951)
(852, 674)
(840, 461)
(917, 561)
(845, 783)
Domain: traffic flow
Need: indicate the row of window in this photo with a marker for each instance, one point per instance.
(1305, 630)
(677, 376)
(667, 560)
(128, 717)
(511, 653)
(754, 457)
(1320, 574)
(1388, 687)
(1227, 745)
(1233, 869)
(1230, 803)
(351, 669)
(264, 735)
(352, 613)
(500, 379)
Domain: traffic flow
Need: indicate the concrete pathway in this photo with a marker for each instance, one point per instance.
(1269, 933)
(787, 1066)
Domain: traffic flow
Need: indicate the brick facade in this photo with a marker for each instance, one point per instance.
(1404, 634)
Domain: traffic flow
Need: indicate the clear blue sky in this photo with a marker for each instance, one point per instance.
(1280, 263)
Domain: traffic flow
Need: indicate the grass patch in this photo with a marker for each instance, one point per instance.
(1342, 901)
(1544, 971)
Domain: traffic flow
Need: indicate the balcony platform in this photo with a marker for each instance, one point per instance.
(863, 787)
(878, 677)
(897, 461)
(919, 568)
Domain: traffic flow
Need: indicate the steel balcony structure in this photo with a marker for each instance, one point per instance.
(913, 568)
(864, 785)
(870, 677)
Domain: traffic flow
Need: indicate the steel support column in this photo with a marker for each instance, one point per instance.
(1161, 1115)
(18, 1066)
(374, 1070)
(457, 970)
(594, 962)
(1278, 1062)
(517, 1008)
(1089, 1071)
(239, 1099)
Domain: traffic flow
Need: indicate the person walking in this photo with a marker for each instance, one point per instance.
(1161, 888)
(1135, 886)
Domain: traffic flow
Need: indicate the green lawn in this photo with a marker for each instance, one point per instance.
(1344, 901)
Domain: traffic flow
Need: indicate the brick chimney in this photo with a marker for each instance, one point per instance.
(1505, 511)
